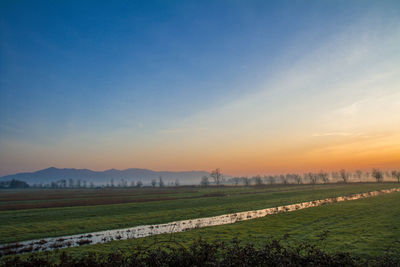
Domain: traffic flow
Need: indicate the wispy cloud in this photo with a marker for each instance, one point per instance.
(349, 110)
(346, 134)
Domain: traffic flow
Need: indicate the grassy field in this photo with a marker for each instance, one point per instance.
(145, 206)
(365, 227)
(53, 198)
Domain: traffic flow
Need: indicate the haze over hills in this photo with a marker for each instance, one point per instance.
(53, 174)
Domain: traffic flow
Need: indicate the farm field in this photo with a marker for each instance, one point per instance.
(365, 227)
(148, 206)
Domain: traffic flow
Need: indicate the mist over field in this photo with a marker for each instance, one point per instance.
(127, 177)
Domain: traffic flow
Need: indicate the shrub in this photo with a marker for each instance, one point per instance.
(200, 253)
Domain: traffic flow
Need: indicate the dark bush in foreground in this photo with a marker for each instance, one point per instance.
(200, 253)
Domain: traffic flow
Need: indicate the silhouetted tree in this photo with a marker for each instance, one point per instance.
(378, 175)
(257, 180)
(297, 179)
(18, 184)
(63, 183)
(344, 175)
(217, 176)
(14, 184)
(312, 177)
(153, 183)
(324, 177)
(139, 184)
(160, 182)
(396, 174)
(204, 181)
(271, 179)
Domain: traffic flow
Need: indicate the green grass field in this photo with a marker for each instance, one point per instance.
(365, 227)
(176, 204)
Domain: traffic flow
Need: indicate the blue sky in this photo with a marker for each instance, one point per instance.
(134, 83)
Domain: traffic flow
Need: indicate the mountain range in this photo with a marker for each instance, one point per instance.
(52, 174)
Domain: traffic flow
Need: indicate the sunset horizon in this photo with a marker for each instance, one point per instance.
(259, 88)
(199, 133)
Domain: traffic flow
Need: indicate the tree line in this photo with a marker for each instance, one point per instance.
(122, 183)
(13, 184)
(216, 178)
(321, 177)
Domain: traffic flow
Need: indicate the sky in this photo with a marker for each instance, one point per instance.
(251, 87)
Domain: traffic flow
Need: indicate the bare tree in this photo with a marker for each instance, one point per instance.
(153, 183)
(53, 184)
(139, 184)
(297, 178)
(217, 176)
(396, 174)
(312, 177)
(246, 181)
(257, 180)
(204, 181)
(161, 182)
(71, 183)
(378, 175)
(324, 177)
(344, 175)
(271, 179)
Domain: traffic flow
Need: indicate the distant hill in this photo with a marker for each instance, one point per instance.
(53, 174)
